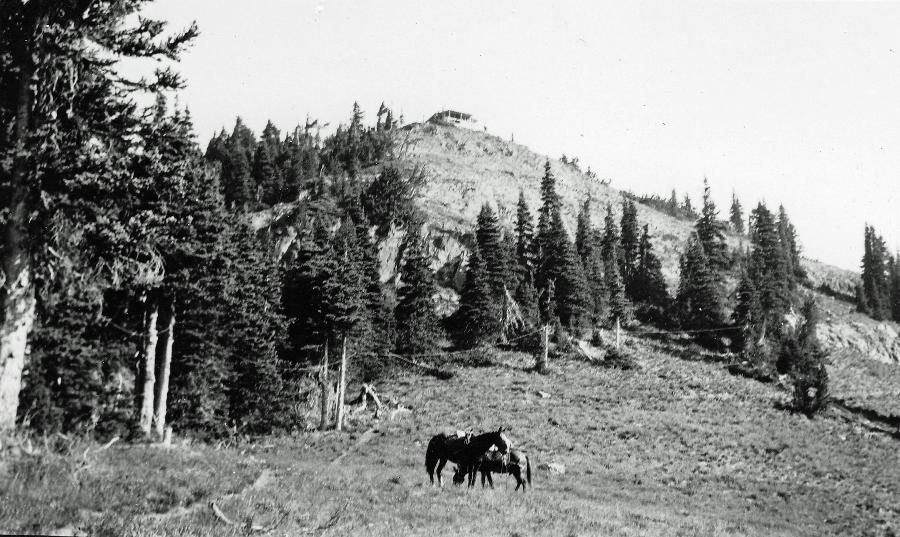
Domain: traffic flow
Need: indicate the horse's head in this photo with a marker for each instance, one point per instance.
(458, 475)
(502, 442)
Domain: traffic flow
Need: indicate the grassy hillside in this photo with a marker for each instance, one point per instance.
(675, 447)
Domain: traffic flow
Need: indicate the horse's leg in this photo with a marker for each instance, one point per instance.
(440, 468)
(489, 478)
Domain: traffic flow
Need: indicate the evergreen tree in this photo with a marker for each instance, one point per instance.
(266, 177)
(698, 303)
(490, 247)
(389, 199)
(875, 290)
(550, 205)
(672, 204)
(552, 256)
(688, 208)
(573, 297)
(255, 326)
(711, 232)
(612, 263)
(417, 323)
(768, 268)
(238, 187)
(477, 320)
(788, 236)
(525, 254)
(630, 240)
(648, 286)
(895, 287)
(737, 215)
(344, 286)
(747, 315)
(583, 230)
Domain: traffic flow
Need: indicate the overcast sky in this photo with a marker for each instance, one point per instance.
(794, 103)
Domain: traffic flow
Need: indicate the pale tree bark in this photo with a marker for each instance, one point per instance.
(543, 356)
(165, 366)
(325, 397)
(16, 282)
(342, 385)
(148, 376)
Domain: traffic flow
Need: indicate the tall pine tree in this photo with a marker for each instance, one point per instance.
(418, 328)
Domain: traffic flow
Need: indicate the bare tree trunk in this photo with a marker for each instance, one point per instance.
(165, 366)
(618, 333)
(16, 280)
(324, 398)
(542, 359)
(342, 385)
(148, 378)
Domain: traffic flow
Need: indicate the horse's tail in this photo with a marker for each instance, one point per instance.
(528, 469)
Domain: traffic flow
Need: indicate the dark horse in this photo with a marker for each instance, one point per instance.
(515, 463)
(463, 450)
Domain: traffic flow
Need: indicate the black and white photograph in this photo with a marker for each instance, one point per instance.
(420, 268)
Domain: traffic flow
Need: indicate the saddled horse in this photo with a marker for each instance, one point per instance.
(515, 463)
(463, 450)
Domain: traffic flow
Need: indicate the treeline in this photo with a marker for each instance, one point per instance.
(685, 210)
(256, 173)
(878, 292)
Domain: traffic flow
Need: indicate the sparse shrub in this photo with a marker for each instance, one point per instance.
(563, 340)
(620, 358)
(757, 361)
(803, 359)
(811, 389)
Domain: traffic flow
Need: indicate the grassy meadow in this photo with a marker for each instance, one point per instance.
(677, 446)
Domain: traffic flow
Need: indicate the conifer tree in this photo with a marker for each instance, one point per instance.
(612, 263)
(711, 232)
(648, 286)
(490, 247)
(672, 204)
(747, 315)
(552, 256)
(266, 177)
(418, 329)
(736, 215)
(698, 303)
(895, 287)
(768, 268)
(788, 236)
(376, 335)
(688, 207)
(550, 205)
(587, 243)
(573, 297)
(239, 188)
(255, 326)
(875, 286)
(583, 230)
(525, 255)
(630, 240)
(478, 318)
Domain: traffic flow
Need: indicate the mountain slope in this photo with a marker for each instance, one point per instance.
(466, 168)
